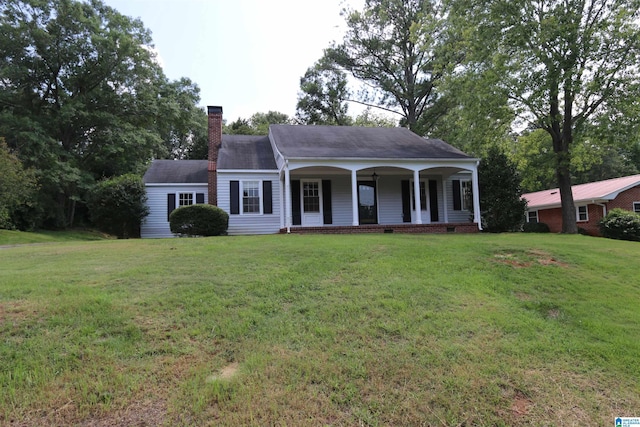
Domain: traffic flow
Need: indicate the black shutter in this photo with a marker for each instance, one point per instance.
(457, 200)
(200, 198)
(406, 201)
(234, 193)
(267, 199)
(295, 203)
(326, 202)
(171, 204)
(433, 199)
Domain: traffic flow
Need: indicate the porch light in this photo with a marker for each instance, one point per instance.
(374, 176)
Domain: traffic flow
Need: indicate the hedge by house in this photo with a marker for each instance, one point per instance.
(118, 205)
(199, 220)
(621, 224)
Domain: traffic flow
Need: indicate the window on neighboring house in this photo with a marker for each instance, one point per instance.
(251, 197)
(582, 214)
(311, 196)
(636, 207)
(532, 216)
(185, 199)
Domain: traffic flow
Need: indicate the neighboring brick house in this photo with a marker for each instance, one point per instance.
(592, 201)
(337, 179)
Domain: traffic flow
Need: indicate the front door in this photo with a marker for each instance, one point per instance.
(367, 202)
(311, 204)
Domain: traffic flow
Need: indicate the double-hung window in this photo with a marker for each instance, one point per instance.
(185, 199)
(251, 197)
(532, 216)
(636, 207)
(582, 214)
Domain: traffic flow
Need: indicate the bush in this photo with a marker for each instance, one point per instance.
(118, 205)
(621, 224)
(501, 202)
(199, 220)
(535, 227)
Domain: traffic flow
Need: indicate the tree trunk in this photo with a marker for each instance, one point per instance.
(563, 176)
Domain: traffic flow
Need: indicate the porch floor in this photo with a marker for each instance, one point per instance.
(464, 227)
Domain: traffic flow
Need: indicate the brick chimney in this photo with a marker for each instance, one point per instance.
(215, 141)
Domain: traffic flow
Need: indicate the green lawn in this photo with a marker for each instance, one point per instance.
(386, 329)
(10, 237)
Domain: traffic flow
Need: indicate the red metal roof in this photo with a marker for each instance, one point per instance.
(594, 191)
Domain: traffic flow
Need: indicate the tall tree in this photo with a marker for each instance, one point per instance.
(81, 97)
(399, 50)
(564, 63)
(323, 96)
(182, 124)
(17, 187)
(257, 124)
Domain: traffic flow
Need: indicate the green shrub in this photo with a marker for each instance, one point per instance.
(199, 220)
(535, 227)
(501, 202)
(118, 205)
(621, 224)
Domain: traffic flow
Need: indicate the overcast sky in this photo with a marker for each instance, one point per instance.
(245, 55)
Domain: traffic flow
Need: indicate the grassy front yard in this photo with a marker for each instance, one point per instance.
(387, 329)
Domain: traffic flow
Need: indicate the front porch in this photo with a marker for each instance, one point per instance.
(465, 227)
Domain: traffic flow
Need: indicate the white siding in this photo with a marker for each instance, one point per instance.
(462, 215)
(250, 223)
(156, 224)
(390, 199)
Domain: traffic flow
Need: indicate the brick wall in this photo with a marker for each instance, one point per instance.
(215, 141)
(553, 217)
(625, 199)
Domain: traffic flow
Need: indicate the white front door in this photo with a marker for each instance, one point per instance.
(311, 199)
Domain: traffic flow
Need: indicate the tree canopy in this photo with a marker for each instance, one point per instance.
(399, 51)
(82, 97)
(257, 124)
(565, 64)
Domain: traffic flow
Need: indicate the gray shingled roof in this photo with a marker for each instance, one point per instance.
(176, 172)
(295, 141)
(246, 152)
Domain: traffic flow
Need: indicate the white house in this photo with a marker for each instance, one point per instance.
(336, 179)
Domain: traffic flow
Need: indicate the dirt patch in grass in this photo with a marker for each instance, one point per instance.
(225, 373)
(139, 414)
(528, 258)
(520, 405)
(17, 310)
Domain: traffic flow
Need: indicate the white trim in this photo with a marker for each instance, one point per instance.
(586, 211)
(241, 198)
(354, 198)
(174, 184)
(247, 171)
(537, 215)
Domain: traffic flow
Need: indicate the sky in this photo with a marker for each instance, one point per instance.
(245, 55)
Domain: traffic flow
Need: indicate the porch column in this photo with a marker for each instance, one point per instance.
(354, 197)
(444, 200)
(287, 199)
(476, 198)
(416, 196)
